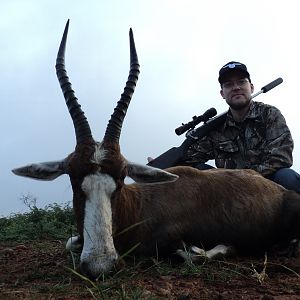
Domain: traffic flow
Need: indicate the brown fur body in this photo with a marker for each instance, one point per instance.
(204, 208)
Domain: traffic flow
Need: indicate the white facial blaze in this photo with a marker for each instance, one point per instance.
(98, 252)
(99, 154)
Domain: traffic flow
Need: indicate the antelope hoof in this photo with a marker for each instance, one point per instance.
(74, 244)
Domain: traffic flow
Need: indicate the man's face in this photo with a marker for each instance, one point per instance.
(237, 90)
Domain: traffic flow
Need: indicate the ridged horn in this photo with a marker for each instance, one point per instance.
(113, 129)
(81, 125)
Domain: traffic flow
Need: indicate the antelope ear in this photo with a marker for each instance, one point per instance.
(147, 174)
(42, 171)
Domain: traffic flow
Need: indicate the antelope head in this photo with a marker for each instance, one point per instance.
(96, 170)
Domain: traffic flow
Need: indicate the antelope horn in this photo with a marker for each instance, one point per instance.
(81, 125)
(113, 129)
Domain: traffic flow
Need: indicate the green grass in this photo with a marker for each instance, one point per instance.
(52, 222)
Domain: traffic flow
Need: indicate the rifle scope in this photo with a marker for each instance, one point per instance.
(196, 120)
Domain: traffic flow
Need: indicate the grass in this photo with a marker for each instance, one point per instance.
(52, 222)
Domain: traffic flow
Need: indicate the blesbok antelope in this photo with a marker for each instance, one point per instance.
(163, 208)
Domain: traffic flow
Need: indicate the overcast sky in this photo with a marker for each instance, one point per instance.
(181, 46)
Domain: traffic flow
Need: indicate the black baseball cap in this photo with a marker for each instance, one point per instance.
(233, 66)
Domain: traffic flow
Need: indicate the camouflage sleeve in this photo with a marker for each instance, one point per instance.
(278, 145)
(199, 152)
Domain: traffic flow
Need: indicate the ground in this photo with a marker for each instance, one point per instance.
(44, 270)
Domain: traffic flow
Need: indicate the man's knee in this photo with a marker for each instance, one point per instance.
(288, 178)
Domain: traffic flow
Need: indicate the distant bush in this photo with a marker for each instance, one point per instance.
(52, 222)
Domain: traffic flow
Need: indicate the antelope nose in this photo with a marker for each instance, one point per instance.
(86, 271)
(94, 271)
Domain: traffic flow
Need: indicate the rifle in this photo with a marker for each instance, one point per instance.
(174, 155)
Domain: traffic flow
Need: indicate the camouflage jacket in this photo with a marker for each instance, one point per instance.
(261, 142)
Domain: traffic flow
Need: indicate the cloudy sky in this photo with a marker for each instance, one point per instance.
(181, 46)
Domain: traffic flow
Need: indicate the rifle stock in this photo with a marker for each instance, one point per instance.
(174, 155)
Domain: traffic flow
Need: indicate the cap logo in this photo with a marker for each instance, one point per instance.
(231, 66)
